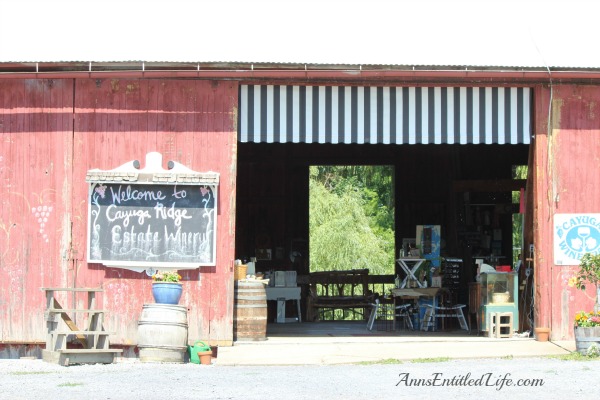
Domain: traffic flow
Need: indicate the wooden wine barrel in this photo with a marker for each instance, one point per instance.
(250, 312)
(163, 333)
(585, 337)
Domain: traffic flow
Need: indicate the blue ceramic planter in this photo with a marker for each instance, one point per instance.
(166, 292)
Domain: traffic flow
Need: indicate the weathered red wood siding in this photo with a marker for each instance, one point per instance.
(51, 136)
(36, 128)
(53, 131)
(567, 162)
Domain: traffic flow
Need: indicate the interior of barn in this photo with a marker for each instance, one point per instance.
(464, 190)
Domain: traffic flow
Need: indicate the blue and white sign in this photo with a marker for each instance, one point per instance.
(575, 235)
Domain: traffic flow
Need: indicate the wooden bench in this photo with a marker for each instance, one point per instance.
(339, 290)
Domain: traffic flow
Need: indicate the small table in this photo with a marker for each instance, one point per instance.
(410, 270)
(413, 294)
(281, 295)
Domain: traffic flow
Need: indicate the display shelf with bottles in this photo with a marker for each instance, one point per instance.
(451, 276)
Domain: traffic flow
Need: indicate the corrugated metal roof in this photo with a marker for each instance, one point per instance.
(512, 34)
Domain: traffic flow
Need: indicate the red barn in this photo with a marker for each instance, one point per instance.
(453, 131)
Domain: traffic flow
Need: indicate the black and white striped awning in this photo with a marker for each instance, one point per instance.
(387, 115)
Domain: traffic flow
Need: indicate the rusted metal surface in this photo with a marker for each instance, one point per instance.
(266, 73)
(53, 132)
(567, 148)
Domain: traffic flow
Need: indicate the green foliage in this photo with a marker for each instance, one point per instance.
(166, 276)
(430, 360)
(589, 271)
(351, 218)
(576, 356)
(519, 172)
(386, 361)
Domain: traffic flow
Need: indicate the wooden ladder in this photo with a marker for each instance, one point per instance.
(93, 340)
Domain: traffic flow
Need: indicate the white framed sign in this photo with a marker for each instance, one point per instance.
(575, 235)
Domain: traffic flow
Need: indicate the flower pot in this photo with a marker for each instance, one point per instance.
(166, 292)
(197, 348)
(542, 334)
(585, 337)
(205, 357)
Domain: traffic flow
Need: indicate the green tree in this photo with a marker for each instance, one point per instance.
(519, 172)
(351, 223)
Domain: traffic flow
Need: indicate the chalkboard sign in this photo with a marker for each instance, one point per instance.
(152, 225)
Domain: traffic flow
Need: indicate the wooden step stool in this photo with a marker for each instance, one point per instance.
(93, 339)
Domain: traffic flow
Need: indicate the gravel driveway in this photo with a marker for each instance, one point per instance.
(453, 379)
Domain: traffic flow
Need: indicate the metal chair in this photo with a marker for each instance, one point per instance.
(445, 308)
(434, 312)
(403, 310)
(378, 310)
(373, 315)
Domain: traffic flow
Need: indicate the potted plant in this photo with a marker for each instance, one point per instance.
(587, 324)
(166, 287)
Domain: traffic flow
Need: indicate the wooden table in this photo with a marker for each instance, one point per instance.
(281, 295)
(413, 294)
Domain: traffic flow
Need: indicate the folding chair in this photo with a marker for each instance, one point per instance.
(403, 310)
(446, 308)
(373, 315)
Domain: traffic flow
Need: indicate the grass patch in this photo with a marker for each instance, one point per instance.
(30, 372)
(70, 384)
(575, 356)
(508, 357)
(385, 361)
(415, 361)
(430, 360)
